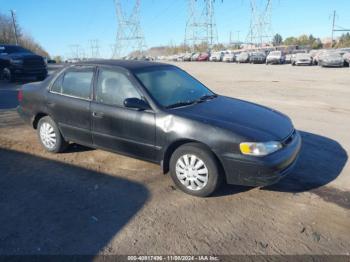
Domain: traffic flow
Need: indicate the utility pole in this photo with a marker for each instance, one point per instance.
(14, 25)
(333, 25)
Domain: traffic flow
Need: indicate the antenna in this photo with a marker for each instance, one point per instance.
(260, 31)
(129, 34)
(201, 28)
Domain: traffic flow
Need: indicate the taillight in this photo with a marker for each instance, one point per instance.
(20, 95)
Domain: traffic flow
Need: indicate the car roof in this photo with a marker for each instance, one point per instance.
(130, 65)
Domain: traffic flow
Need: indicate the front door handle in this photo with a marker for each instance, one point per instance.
(97, 114)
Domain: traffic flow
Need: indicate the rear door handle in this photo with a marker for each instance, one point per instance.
(97, 114)
(50, 103)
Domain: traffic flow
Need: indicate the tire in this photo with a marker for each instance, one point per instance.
(7, 75)
(185, 174)
(41, 77)
(49, 136)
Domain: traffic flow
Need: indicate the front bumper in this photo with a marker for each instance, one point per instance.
(28, 71)
(333, 64)
(306, 63)
(262, 171)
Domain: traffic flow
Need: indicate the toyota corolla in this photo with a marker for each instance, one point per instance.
(159, 113)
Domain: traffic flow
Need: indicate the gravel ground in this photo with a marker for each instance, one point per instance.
(88, 201)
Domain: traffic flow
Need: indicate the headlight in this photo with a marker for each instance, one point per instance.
(259, 149)
(16, 61)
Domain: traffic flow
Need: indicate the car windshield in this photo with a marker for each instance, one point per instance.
(13, 49)
(173, 87)
(275, 53)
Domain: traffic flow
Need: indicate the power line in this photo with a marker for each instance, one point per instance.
(201, 27)
(260, 30)
(336, 28)
(130, 36)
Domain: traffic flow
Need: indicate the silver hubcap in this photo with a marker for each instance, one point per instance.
(192, 172)
(48, 135)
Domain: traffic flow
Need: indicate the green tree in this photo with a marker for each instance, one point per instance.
(7, 36)
(344, 41)
(277, 40)
(290, 41)
(303, 40)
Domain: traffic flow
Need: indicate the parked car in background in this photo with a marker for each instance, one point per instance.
(294, 54)
(331, 59)
(346, 58)
(229, 57)
(288, 59)
(257, 58)
(16, 61)
(216, 56)
(51, 61)
(187, 56)
(203, 57)
(243, 57)
(302, 59)
(195, 56)
(275, 57)
(180, 57)
(317, 56)
(159, 113)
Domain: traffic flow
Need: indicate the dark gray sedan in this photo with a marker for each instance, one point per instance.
(159, 113)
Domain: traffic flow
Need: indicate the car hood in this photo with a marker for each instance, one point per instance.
(24, 56)
(248, 120)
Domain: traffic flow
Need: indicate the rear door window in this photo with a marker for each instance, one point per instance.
(75, 82)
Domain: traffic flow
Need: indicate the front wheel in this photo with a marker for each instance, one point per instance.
(50, 136)
(7, 75)
(194, 169)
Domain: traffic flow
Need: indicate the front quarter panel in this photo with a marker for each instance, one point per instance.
(171, 128)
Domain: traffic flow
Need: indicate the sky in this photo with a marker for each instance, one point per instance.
(58, 24)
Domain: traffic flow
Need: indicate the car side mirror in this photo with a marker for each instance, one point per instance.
(136, 103)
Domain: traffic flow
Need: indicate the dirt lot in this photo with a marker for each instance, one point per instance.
(89, 201)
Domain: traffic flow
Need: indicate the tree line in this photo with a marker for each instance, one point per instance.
(7, 36)
(311, 41)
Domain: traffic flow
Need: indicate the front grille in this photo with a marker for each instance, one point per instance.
(37, 62)
(289, 138)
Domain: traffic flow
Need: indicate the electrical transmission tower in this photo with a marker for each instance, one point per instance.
(129, 34)
(260, 31)
(95, 48)
(201, 26)
(77, 51)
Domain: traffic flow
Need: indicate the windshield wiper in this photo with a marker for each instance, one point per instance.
(199, 100)
(181, 103)
(207, 97)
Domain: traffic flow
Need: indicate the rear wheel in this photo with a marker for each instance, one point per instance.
(50, 136)
(194, 170)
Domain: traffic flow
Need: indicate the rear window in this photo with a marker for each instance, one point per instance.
(76, 83)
